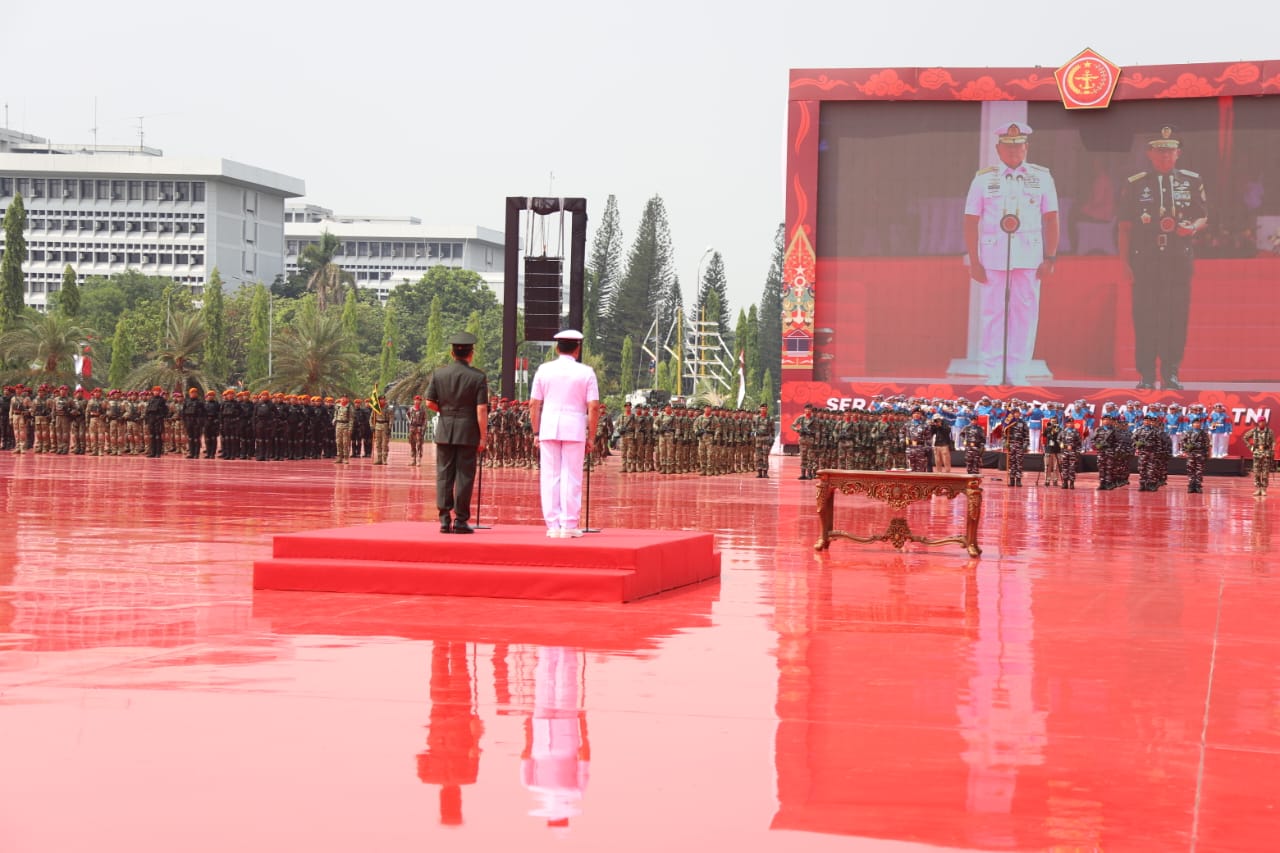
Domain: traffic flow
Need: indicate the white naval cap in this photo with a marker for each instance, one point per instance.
(1015, 133)
(567, 335)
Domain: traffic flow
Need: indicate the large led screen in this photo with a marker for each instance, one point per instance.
(1014, 248)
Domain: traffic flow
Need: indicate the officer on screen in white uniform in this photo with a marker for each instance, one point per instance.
(1011, 233)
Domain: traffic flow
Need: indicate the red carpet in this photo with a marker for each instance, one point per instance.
(414, 558)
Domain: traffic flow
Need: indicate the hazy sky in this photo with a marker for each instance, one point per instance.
(441, 110)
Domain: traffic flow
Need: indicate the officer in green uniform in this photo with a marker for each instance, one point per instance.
(460, 393)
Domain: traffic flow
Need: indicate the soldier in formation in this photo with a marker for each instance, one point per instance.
(1261, 442)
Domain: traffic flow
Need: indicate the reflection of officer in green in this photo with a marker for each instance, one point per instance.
(452, 756)
(762, 430)
(1161, 212)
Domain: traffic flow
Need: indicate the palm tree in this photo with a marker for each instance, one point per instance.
(44, 344)
(175, 365)
(324, 277)
(314, 356)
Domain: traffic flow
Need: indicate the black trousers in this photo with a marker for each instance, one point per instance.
(1161, 308)
(455, 479)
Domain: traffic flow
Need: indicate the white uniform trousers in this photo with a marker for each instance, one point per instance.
(561, 478)
(1024, 318)
(1220, 441)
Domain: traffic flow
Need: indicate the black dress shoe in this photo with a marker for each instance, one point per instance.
(462, 527)
(1146, 385)
(446, 524)
(1171, 384)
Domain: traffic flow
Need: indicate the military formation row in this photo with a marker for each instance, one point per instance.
(233, 425)
(858, 440)
(682, 440)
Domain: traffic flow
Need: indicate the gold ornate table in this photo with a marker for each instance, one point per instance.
(899, 489)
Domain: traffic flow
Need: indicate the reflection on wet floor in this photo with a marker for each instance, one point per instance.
(1103, 677)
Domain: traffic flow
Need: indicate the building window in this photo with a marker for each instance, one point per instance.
(37, 224)
(104, 190)
(197, 259)
(166, 190)
(24, 187)
(36, 255)
(55, 257)
(349, 248)
(197, 227)
(134, 258)
(37, 187)
(55, 188)
(166, 258)
(149, 226)
(197, 190)
(100, 258)
(6, 187)
(117, 190)
(182, 259)
(117, 226)
(86, 225)
(135, 191)
(291, 247)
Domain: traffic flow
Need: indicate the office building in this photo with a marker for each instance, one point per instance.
(107, 209)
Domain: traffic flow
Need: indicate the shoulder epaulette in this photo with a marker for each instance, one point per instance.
(1137, 177)
(1189, 173)
(1037, 167)
(987, 170)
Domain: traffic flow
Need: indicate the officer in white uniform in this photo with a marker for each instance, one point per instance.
(564, 409)
(1011, 233)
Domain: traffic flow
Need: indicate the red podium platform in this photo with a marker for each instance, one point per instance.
(414, 558)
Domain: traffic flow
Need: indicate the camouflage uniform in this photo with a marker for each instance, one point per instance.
(1196, 445)
(1072, 441)
(1262, 441)
(1017, 437)
(417, 424)
(917, 436)
(1147, 440)
(804, 428)
(973, 440)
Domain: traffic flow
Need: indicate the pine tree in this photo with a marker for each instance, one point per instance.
(750, 344)
(257, 357)
(475, 327)
(69, 295)
(604, 266)
(434, 351)
(122, 355)
(628, 365)
(714, 281)
(766, 393)
(388, 360)
(647, 281)
(770, 328)
(216, 364)
(12, 282)
(349, 321)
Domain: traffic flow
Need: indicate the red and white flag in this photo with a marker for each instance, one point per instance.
(742, 376)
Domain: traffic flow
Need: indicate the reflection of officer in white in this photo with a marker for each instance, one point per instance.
(557, 755)
(1011, 233)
